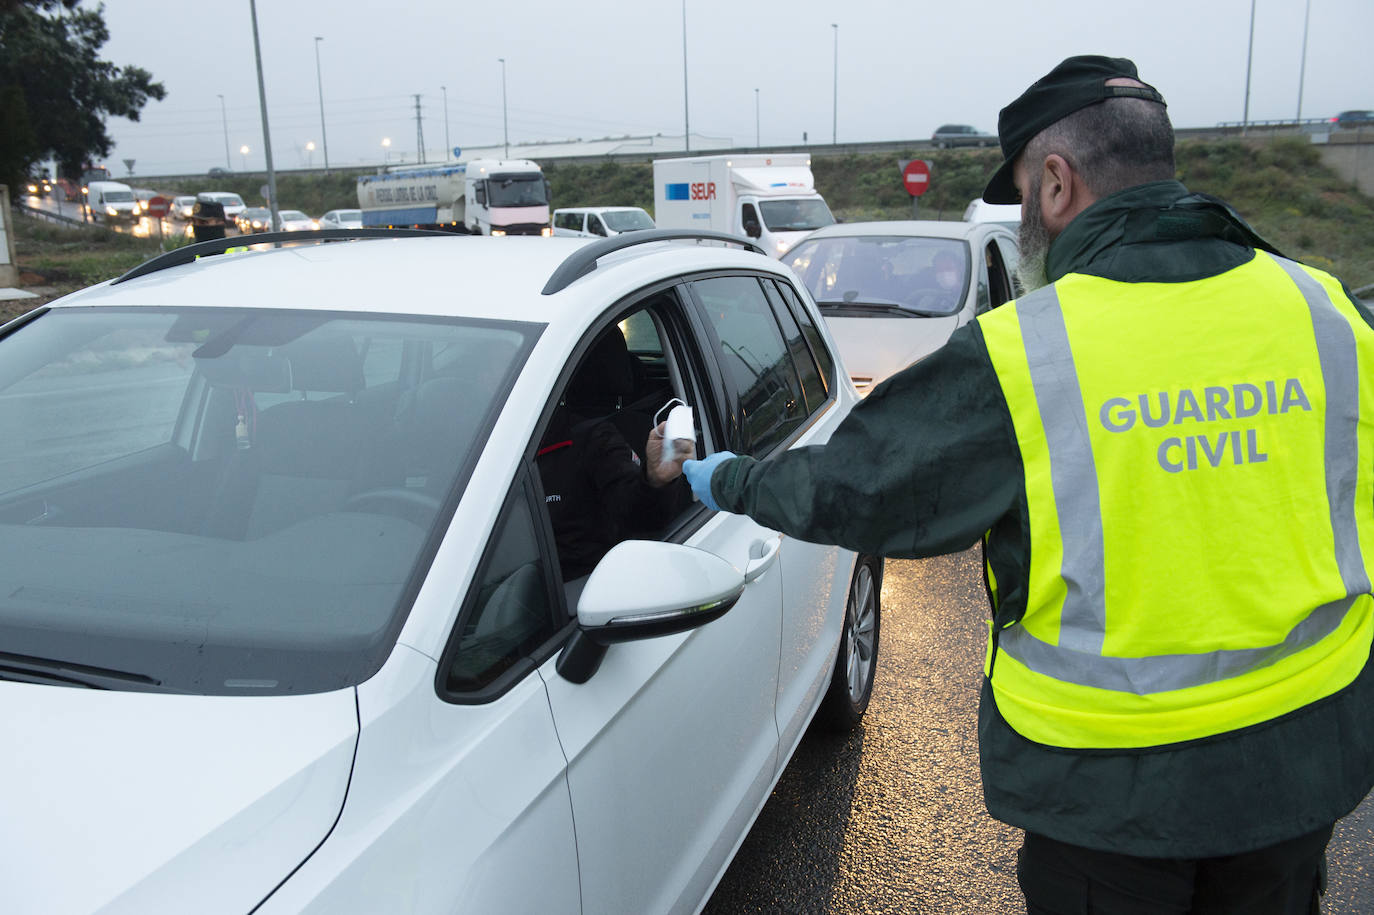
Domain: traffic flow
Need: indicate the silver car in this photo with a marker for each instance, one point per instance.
(893, 292)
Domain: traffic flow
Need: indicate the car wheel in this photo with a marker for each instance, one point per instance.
(851, 684)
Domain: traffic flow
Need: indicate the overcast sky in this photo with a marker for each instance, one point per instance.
(596, 68)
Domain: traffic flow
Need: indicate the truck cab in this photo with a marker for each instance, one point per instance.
(506, 197)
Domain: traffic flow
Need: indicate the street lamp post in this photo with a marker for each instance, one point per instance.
(448, 144)
(505, 125)
(1249, 57)
(310, 154)
(243, 156)
(386, 150)
(686, 119)
(756, 119)
(319, 81)
(1302, 68)
(224, 119)
(835, 91)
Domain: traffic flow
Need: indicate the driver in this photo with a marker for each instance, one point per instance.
(597, 489)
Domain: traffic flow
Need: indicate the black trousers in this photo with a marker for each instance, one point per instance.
(1283, 879)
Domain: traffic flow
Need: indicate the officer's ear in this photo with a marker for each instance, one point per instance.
(1063, 193)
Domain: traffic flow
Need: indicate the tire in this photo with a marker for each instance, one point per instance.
(851, 683)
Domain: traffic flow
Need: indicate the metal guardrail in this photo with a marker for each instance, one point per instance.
(55, 217)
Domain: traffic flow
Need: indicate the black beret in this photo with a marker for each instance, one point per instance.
(1076, 83)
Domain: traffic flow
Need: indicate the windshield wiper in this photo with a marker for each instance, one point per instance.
(29, 669)
(879, 306)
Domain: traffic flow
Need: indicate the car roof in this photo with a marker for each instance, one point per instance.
(917, 228)
(458, 275)
(598, 209)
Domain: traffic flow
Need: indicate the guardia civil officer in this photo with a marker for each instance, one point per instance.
(1167, 449)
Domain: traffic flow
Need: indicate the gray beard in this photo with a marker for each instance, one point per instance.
(1034, 241)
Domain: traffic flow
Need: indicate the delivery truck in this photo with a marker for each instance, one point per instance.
(481, 197)
(770, 198)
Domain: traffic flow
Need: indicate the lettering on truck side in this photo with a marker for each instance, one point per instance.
(1239, 401)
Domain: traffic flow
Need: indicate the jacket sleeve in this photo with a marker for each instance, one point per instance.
(923, 466)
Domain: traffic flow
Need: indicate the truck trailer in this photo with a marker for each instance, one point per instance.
(481, 197)
(768, 197)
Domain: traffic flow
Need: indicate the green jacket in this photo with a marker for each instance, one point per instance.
(928, 463)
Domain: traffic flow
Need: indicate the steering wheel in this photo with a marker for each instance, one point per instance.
(406, 504)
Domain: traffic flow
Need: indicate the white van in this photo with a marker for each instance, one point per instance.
(599, 222)
(110, 201)
(1004, 214)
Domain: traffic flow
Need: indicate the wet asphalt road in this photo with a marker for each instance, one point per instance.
(890, 818)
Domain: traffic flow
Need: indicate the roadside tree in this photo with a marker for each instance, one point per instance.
(56, 90)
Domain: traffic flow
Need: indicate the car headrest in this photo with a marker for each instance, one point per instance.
(324, 362)
(606, 372)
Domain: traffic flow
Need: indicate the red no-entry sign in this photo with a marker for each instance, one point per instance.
(916, 177)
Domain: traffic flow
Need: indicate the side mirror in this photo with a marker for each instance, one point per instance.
(642, 589)
(752, 228)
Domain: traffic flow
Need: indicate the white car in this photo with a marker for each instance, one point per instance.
(285, 629)
(893, 292)
(1006, 214)
(342, 219)
(594, 222)
(233, 204)
(182, 206)
(296, 221)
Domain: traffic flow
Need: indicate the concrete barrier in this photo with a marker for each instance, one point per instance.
(9, 270)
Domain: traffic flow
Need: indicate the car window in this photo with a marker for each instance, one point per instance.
(1001, 289)
(249, 506)
(824, 359)
(757, 364)
(591, 452)
(883, 275)
(628, 220)
(1011, 259)
(813, 388)
(511, 611)
(983, 296)
(594, 225)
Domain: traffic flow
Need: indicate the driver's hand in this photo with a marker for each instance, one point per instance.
(661, 472)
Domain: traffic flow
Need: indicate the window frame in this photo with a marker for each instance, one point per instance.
(524, 490)
(729, 400)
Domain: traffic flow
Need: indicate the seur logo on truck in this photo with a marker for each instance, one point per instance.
(701, 190)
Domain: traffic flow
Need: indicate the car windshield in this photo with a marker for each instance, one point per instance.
(882, 275)
(795, 215)
(118, 196)
(627, 220)
(232, 200)
(516, 191)
(293, 214)
(348, 215)
(232, 501)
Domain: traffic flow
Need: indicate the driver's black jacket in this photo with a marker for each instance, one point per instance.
(596, 491)
(928, 464)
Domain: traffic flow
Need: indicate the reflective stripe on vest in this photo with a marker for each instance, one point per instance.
(1078, 657)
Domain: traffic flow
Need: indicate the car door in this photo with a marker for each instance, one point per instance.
(782, 398)
(671, 744)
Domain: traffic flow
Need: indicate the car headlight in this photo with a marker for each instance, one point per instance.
(497, 233)
(314, 223)
(111, 211)
(33, 189)
(546, 232)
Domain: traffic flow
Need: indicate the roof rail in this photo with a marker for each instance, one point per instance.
(583, 261)
(186, 255)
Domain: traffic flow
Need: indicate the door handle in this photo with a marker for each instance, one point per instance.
(762, 555)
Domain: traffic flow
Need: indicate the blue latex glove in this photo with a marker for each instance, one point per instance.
(698, 473)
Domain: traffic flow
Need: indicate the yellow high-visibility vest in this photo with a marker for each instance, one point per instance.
(1199, 473)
